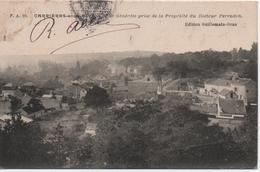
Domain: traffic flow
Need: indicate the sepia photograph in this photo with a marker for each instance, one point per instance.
(97, 84)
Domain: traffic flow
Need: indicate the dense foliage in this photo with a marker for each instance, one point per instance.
(201, 64)
(97, 97)
(160, 134)
(22, 146)
(163, 135)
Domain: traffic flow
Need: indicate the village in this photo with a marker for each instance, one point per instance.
(224, 99)
(130, 110)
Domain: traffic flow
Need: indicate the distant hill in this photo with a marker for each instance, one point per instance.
(105, 56)
(72, 58)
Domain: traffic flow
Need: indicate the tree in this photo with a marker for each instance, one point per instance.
(85, 154)
(49, 69)
(97, 97)
(250, 68)
(22, 145)
(53, 83)
(93, 68)
(253, 51)
(155, 61)
(59, 147)
(120, 144)
(178, 69)
(158, 73)
(246, 137)
(16, 104)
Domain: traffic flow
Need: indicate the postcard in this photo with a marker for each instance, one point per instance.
(100, 84)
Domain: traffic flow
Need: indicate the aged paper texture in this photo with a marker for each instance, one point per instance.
(98, 84)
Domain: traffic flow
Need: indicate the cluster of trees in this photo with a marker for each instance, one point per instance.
(162, 134)
(167, 134)
(25, 145)
(46, 72)
(89, 69)
(21, 145)
(202, 64)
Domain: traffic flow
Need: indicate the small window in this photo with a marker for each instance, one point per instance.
(235, 88)
(247, 91)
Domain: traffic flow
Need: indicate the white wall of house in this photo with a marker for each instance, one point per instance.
(240, 90)
(219, 88)
(6, 93)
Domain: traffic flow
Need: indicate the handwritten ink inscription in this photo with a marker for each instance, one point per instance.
(43, 26)
(45, 29)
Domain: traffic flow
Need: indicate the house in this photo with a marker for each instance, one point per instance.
(149, 78)
(33, 112)
(133, 69)
(102, 81)
(25, 99)
(47, 96)
(78, 88)
(120, 92)
(81, 80)
(116, 69)
(228, 94)
(5, 106)
(76, 91)
(244, 88)
(28, 87)
(90, 129)
(134, 72)
(33, 109)
(8, 90)
(51, 103)
(5, 118)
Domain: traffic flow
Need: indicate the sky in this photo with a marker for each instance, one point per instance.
(153, 34)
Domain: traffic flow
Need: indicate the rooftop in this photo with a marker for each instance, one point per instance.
(230, 106)
(29, 84)
(225, 92)
(9, 117)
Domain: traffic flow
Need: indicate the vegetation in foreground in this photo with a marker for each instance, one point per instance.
(162, 134)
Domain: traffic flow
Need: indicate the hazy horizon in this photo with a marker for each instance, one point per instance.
(12, 60)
